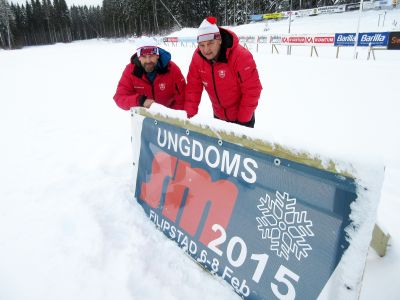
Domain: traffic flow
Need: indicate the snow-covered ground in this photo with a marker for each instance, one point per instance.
(69, 228)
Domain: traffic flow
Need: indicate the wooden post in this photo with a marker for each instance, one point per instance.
(313, 48)
(258, 38)
(379, 241)
(371, 49)
(274, 47)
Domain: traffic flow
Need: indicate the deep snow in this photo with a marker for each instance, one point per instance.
(69, 227)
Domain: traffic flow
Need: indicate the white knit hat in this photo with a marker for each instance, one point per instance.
(146, 45)
(208, 30)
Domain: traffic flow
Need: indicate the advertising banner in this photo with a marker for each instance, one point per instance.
(344, 39)
(263, 39)
(374, 39)
(367, 5)
(273, 16)
(382, 4)
(327, 40)
(352, 6)
(247, 39)
(394, 41)
(302, 39)
(170, 39)
(331, 9)
(276, 39)
(256, 18)
(187, 39)
(365, 39)
(307, 12)
(271, 227)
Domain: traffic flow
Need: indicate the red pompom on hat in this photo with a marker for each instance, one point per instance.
(208, 30)
(212, 20)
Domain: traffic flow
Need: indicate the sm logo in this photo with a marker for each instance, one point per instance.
(187, 195)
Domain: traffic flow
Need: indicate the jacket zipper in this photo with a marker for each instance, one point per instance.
(215, 90)
(240, 78)
(152, 86)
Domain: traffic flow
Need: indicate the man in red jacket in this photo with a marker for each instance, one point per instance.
(150, 77)
(228, 73)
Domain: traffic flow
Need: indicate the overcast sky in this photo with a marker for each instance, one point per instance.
(69, 2)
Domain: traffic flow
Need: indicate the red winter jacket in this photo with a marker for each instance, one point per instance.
(167, 89)
(231, 82)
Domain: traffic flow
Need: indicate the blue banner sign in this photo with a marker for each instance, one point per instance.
(344, 39)
(375, 39)
(365, 39)
(271, 227)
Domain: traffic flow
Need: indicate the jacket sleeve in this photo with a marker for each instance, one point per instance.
(194, 88)
(250, 85)
(126, 95)
(179, 88)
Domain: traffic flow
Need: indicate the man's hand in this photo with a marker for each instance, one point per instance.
(147, 103)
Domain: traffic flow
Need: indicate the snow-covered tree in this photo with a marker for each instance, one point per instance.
(6, 17)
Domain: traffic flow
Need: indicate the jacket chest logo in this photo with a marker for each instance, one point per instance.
(162, 86)
(221, 73)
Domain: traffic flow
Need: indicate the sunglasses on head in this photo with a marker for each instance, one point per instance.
(208, 37)
(149, 50)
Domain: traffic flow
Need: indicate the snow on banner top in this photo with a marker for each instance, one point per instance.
(273, 149)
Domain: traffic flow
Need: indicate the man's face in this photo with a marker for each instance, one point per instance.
(210, 49)
(149, 62)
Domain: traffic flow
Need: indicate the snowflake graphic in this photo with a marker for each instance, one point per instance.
(286, 228)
